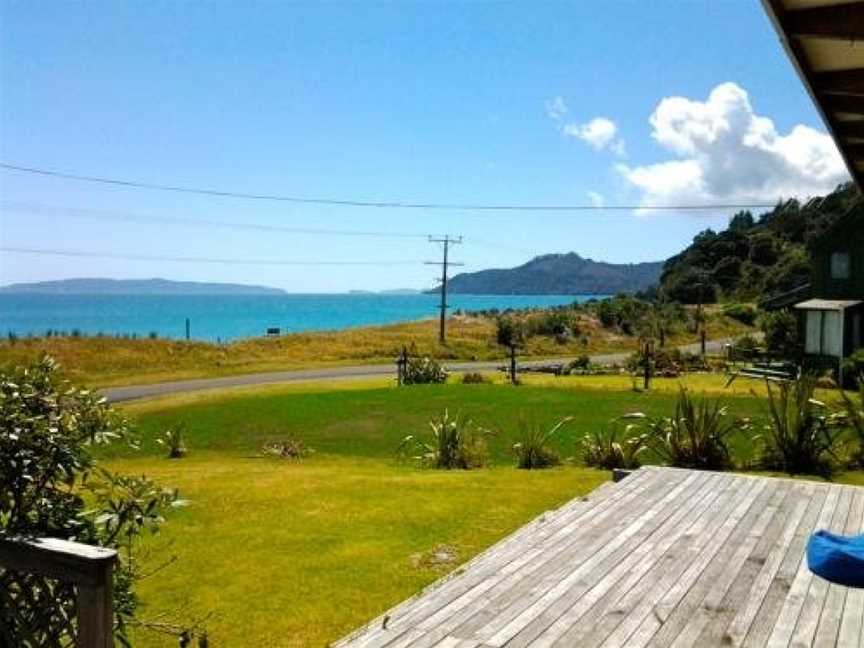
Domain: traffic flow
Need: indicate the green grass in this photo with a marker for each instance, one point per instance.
(299, 553)
(373, 422)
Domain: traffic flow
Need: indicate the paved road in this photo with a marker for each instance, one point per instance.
(134, 392)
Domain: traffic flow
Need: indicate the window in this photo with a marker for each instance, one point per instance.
(840, 265)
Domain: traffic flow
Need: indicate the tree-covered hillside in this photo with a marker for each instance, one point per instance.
(755, 256)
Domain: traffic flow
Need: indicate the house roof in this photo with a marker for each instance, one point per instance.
(825, 41)
(827, 304)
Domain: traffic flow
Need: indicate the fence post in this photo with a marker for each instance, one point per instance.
(87, 567)
(401, 364)
(96, 610)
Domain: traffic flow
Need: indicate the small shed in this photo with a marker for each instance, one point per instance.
(832, 329)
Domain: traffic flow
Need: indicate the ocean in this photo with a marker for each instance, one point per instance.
(222, 318)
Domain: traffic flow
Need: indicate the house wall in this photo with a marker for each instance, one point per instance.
(850, 239)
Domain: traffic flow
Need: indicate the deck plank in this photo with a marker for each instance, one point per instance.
(851, 634)
(670, 561)
(828, 629)
(738, 627)
(560, 617)
(663, 616)
(781, 637)
(640, 556)
(665, 558)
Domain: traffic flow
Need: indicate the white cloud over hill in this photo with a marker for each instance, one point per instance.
(724, 152)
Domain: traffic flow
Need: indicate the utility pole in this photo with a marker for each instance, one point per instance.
(447, 241)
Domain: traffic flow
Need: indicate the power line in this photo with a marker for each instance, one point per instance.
(111, 215)
(372, 204)
(181, 259)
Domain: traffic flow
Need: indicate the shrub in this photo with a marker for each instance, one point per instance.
(665, 362)
(455, 443)
(745, 346)
(173, 441)
(801, 436)
(612, 448)
(51, 486)
(288, 449)
(473, 378)
(695, 436)
(581, 363)
(534, 449)
(556, 323)
(781, 332)
(423, 371)
(854, 414)
(509, 332)
(743, 313)
(854, 365)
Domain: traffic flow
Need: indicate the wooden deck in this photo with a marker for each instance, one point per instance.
(664, 558)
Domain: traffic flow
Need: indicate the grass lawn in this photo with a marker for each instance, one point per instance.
(299, 553)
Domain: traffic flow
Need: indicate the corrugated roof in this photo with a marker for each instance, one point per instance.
(827, 304)
(825, 41)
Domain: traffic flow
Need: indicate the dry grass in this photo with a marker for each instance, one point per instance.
(104, 362)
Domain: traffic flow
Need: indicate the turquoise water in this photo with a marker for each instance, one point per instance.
(227, 318)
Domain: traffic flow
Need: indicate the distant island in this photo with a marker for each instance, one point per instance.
(559, 274)
(134, 287)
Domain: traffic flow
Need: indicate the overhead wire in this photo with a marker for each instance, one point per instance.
(185, 259)
(389, 204)
(114, 215)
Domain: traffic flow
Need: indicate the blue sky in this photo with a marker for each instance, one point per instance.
(448, 102)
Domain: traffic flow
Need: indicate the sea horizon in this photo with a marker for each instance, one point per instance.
(231, 317)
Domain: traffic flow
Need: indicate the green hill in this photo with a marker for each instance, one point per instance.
(559, 274)
(754, 257)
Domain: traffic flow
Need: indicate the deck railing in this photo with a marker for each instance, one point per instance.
(88, 570)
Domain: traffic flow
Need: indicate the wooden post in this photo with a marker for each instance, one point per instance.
(513, 364)
(96, 611)
(401, 365)
(87, 567)
(648, 352)
(188, 328)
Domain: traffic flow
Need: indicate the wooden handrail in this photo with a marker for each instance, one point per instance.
(87, 567)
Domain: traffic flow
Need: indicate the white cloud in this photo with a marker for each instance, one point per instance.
(556, 108)
(724, 151)
(597, 199)
(597, 133)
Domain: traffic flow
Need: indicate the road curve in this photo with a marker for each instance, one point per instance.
(135, 392)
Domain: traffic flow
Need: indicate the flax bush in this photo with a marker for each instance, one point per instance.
(695, 436)
(454, 443)
(534, 448)
(802, 435)
(613, 447)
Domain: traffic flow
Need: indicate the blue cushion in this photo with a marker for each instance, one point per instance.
(836, 558)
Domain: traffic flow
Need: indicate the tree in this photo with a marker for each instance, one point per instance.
(51, 486)
(660, 319)
(510, 333)
(781, 333)
(743, 220)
